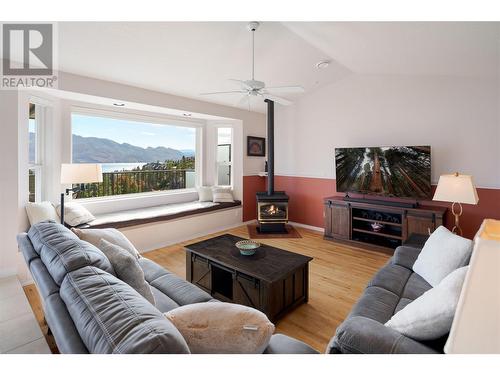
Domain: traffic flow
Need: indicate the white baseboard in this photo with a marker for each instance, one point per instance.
(8, 273)
(310, 227)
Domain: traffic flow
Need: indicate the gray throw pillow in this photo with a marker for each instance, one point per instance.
(127, 269)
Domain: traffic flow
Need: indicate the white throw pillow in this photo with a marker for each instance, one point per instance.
(222, 194)
(205, 194)
(112, 235)
(75, 214)
(443, 253)
(222, 328)
(42, 211)
(430, 316)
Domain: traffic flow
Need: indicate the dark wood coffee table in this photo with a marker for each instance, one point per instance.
(272, 280)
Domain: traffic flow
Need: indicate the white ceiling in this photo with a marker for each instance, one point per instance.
(187, 58)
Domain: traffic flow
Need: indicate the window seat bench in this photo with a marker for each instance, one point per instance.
(147, 215)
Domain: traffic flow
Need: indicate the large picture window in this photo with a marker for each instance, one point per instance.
(136, 157)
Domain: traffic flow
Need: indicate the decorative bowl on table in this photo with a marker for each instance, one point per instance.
(377, 227)
(247, 247)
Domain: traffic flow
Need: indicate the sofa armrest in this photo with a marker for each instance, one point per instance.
(281, 344)
(405, 256)
(360, 335)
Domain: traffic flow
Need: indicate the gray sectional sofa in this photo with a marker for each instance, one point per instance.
(89, 310)
(393, 287)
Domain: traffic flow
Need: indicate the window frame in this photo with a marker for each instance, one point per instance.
(145, 118)
(231, 155)
(38, 166)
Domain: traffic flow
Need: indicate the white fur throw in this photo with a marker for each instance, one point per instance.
(222, 328)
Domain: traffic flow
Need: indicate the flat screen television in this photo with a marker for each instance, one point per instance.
(402, 171)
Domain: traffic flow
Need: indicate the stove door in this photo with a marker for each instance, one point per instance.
(272, 211)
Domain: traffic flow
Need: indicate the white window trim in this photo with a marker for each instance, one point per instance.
(217, 163)
(154, 119)
(38, 166)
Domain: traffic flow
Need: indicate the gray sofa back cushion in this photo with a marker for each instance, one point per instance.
(111, 317)
(62, 251)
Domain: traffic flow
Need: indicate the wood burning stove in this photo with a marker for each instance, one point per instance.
(272, 206)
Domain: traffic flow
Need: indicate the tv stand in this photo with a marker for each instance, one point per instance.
(380, 202)
(353, 220)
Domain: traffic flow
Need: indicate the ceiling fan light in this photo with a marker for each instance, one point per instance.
(323, 64)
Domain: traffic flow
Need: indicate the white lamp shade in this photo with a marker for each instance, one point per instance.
(80, 173)
(456, 188)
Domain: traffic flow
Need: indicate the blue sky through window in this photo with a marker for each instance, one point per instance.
(135, 133)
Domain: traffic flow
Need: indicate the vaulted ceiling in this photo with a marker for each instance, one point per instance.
(187, 58)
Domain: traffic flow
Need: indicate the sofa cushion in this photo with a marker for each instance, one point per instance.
(282, 344)
(179, 290)
(111, 317)
(376, 303)
(163, 302)
(405, 256)
(62, 251)
(415, 287)
(403, 302)
(360, 335)
(391, 277)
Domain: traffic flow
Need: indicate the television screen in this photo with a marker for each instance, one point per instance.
(403, 172)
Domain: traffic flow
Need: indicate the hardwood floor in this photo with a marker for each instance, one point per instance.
(338, 275)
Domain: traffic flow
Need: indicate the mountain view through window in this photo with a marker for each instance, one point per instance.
(136, 157)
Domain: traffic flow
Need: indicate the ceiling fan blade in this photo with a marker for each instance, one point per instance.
(244, 102)
(241, 83)
(277, 99)
(286, 89)
(224, 92)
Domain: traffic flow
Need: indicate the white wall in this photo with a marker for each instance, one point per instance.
(8, 182)
(458, 117)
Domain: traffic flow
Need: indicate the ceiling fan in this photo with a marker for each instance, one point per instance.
(253, 88)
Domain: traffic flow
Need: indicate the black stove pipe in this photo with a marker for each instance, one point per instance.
(270, 147)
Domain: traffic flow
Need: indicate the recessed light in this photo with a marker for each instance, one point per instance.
(119, 104)
(323, 64)
(187, 114)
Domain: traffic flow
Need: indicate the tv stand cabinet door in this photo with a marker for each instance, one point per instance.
(421, 223)
(340, 220)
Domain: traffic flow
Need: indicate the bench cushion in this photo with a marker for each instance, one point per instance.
(128, 218)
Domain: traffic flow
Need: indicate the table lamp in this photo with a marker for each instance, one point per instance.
(78, 174)
(456, 188)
